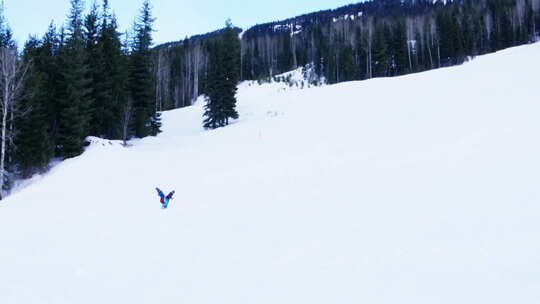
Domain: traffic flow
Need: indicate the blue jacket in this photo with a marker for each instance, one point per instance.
(164, 199)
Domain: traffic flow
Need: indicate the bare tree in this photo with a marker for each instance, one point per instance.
(126, 119)
(293, 46)
(411, 40)
(369, 47)
(433, 33)
(535, 7)
(488, 23)
(521, 12)
(158, 71)
(197, 54)
(12, 73)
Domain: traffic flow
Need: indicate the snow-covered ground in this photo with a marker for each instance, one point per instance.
(417, 189)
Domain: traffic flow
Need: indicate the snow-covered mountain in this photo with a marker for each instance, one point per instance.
(416, 189)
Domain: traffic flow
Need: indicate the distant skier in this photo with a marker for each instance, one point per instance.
(164, 200)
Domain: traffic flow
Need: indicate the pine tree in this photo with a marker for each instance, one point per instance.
(49, 65)
(213, 107)
(285, 60)
(34, 143)
(348, 68)
(322, 51)
(222, 80)
(74, 100)
(111, 81)
(6, 35)
(381, 58)
(117, 65)
(147, 119)
(231, 67)
(361, 55)
(94, 63)
(400, 62)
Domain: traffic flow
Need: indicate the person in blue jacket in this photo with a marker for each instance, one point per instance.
(164, 200)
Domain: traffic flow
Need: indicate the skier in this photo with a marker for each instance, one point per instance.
(165, 199)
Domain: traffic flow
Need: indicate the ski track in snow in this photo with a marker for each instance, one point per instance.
(416, 189)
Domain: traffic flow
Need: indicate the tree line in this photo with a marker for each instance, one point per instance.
(206, 64)
(377, 38)
(182, 68)
(82, 79)
(382, 38)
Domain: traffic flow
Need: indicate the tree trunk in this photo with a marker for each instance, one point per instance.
(293, 46)
(5, 108)
(439, 53)
(429, 52)
(126, 119)
(409, 53)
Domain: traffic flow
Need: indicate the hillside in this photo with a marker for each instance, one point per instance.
(366, 40)
(414, 189)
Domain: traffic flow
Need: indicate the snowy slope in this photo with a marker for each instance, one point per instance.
(418, 189)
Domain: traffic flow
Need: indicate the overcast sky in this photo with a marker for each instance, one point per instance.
(176, 19)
